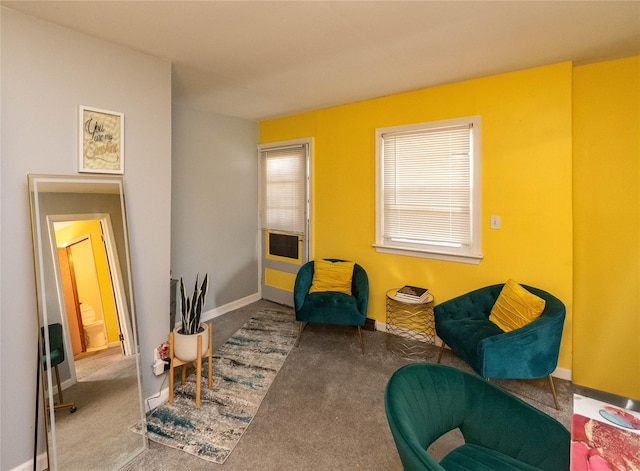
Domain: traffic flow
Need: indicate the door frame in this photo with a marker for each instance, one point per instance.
(117, 283)
(307, 239)
(75, 327)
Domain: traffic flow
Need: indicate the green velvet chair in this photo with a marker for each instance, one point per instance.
(56, 357)
(501, 432)
(330, 307)
(529, 352)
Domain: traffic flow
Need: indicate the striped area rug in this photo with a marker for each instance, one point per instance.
(243, 369)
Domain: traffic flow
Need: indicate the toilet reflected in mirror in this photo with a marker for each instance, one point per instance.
(93, 329)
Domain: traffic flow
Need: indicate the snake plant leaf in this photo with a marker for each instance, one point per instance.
(183, 305)
(192, 306)
(204, 289)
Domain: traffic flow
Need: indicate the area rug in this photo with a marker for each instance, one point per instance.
(243, 369)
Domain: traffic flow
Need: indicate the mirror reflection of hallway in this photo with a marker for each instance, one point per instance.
(105, 378)
(104, 383)
(97, 435)
(87, 286)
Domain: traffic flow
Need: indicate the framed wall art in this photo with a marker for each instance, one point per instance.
(101, 145)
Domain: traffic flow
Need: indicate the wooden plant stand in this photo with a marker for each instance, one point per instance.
(175, 361)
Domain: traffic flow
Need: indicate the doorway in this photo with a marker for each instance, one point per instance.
(88, 314)
(90, 287)
(285, 216)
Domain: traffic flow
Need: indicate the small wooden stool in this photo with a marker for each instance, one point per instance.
(175, 361)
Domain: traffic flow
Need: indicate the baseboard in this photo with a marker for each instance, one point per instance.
(67, 383)
(381, 326)
(220, 310)
(157, 400)
(232, 306)
(42, 464)
(560, 373)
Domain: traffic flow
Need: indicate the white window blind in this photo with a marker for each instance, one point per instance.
(283, 199)
(427, 184)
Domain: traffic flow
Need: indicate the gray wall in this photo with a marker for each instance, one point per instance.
(214, 206)
(47, 72)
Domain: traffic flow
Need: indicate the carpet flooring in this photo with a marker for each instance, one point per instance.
(325, 408)
(95, 437)
(243, 369)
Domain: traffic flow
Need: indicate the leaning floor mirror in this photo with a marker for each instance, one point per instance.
(90, 362)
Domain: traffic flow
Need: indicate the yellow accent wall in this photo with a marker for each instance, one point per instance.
(526, 179)
(606, 140)
(92, 227)
(279, 279)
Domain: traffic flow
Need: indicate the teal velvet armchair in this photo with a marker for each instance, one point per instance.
(531, 351)
(329, 307)
(501, 432)
(56, 357)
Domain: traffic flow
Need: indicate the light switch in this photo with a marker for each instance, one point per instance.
(495, 222)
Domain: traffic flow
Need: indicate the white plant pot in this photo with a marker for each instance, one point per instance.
(185, 347)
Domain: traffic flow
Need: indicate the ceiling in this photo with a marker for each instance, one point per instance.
(257, 60)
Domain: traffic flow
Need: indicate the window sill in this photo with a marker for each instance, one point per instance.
(411, 252)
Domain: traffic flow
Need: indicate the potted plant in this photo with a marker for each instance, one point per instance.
(186, 335)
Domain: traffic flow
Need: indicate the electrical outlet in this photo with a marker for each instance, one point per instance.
(495, 222)
(158, 367)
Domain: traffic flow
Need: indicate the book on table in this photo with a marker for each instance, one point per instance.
(413, 294)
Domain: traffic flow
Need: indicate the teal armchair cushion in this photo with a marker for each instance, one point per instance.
(331, 307)
(56, 345)
(528, 352)
(424, 401)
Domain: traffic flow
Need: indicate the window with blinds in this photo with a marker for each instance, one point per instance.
(428, 189)
(283, 190)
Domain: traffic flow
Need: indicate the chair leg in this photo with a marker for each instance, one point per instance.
(361, 341)
(553, 392)
(60, 398)
(171, 368)
(61, 404)
(199, 371)
(300, 328)
(210, 357)
(441, 352)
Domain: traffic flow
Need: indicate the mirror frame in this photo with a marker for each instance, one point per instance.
(43, 239)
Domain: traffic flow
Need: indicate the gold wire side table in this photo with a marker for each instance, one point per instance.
(410, 327)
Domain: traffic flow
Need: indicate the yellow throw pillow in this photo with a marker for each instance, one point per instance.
(515, 307)
(332, 276)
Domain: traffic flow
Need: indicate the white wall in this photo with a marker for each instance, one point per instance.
(47, 72)
(214, 207)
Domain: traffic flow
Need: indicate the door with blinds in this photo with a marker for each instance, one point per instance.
(284, 216)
